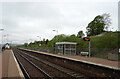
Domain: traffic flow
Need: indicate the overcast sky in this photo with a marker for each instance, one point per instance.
(23, 21)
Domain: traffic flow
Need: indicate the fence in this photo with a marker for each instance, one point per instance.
(98, 50)
(78, 50)
(42, 49)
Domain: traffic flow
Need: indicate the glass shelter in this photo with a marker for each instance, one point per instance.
(66, 48)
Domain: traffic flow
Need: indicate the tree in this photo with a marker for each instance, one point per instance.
(25, 44)
(107, 20)
(98, 25)
(46, 42)
(80, 34)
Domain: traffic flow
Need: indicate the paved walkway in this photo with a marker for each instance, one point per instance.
(97, 60)
(10, 67)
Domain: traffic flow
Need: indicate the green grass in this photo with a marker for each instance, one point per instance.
(100, 45)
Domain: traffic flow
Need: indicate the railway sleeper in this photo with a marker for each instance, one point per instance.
(67, 71)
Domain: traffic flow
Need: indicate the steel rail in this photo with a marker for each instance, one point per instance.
(27, 76)
(49, 77)
(62, 69)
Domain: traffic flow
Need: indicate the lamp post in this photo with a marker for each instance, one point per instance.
(30, 40)
(1, 39)
(6, 38)
(57, 40)
(40, 40)
(57, 35)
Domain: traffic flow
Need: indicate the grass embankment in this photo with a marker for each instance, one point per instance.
(105, 44)
(101, 45)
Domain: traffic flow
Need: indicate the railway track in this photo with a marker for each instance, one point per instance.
(49, 69)
(30, 70)
(64, 70)
(70, 69)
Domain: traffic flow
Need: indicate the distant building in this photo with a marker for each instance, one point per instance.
(7, 46)
(66, 48)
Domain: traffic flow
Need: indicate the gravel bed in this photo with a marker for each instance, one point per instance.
(88, 70)
(50, 70)
(32, 71)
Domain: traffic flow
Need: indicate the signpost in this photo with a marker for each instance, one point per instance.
(89, 48)
(88, 39)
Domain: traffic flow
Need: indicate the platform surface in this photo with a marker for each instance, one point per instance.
(96, 60)
(10, 67)
(92, 60)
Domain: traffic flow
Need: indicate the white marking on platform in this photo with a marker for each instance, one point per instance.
(18, 67)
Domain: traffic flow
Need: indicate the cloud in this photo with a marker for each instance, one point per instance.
(27, 20)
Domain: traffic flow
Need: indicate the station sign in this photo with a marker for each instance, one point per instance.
(86, 39)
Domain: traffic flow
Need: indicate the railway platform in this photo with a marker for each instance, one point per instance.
(90, 60)
(96, 61)
(89, 66)
(9, 67)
